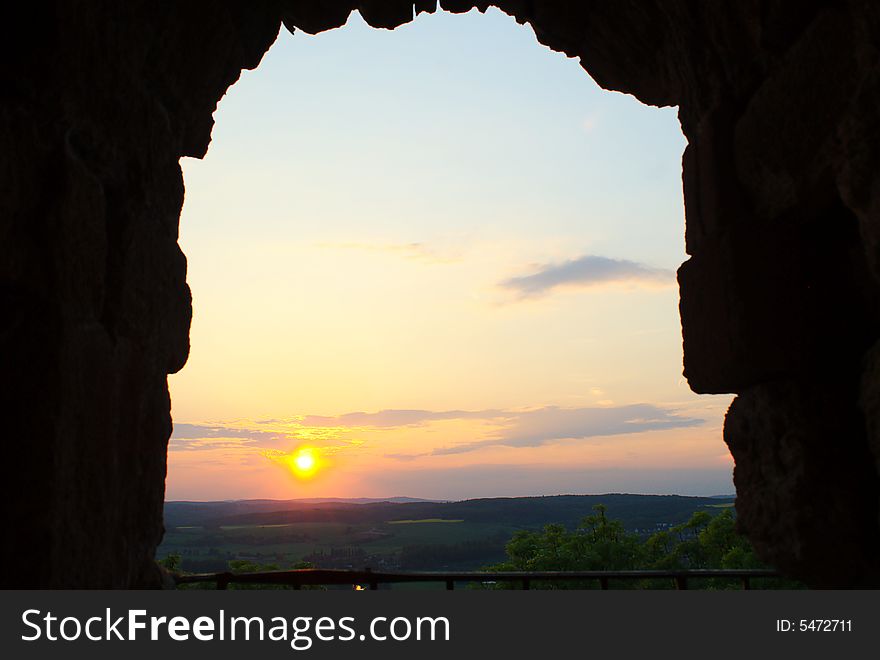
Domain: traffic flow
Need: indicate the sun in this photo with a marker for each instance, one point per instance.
(303, 462)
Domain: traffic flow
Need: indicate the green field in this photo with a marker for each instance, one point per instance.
(204, 549)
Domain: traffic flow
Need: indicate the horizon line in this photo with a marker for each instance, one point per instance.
(440, 500)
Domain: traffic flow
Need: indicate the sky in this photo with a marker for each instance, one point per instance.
(436, 262)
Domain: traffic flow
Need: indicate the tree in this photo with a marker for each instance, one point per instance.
(600, 543)
(171, 562)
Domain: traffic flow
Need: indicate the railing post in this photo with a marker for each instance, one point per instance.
(223, 581)
(603, 583)
(525, 583)
(747, 585)
(681, 582)
(450, 585)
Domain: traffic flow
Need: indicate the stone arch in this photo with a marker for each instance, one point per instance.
(777, 99)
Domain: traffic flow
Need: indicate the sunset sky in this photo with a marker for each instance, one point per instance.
(442, 260)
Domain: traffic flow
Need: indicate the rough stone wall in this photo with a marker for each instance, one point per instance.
(779, 301)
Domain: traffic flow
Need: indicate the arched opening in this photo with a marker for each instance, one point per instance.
(441, 261)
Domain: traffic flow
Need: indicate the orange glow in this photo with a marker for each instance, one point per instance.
(303, 462)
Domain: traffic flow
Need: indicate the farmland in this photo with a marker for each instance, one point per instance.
(411, 535)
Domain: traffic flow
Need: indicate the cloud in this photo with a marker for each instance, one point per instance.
(416, 251)
(405, 457)
(275, 433)
(217, 436)
(184, 431)
(586, 271)
(190, 437)
(397, 418)
(538, 427)
(508, 428)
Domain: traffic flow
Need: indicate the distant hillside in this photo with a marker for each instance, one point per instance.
(185, 513)
(635, 511)
(362, 500)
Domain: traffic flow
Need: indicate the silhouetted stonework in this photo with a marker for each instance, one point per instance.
(778, 100)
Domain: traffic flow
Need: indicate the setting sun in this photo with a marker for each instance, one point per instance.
(303, 463)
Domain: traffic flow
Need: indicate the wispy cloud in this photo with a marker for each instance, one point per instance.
(185, 431)
(398, 418)
(406, 457)
(217, 436)
(533, 428)
(587, 271)
(259, 434)
(507, 428)
(416, 251)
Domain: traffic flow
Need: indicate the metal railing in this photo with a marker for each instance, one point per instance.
(318, 576)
